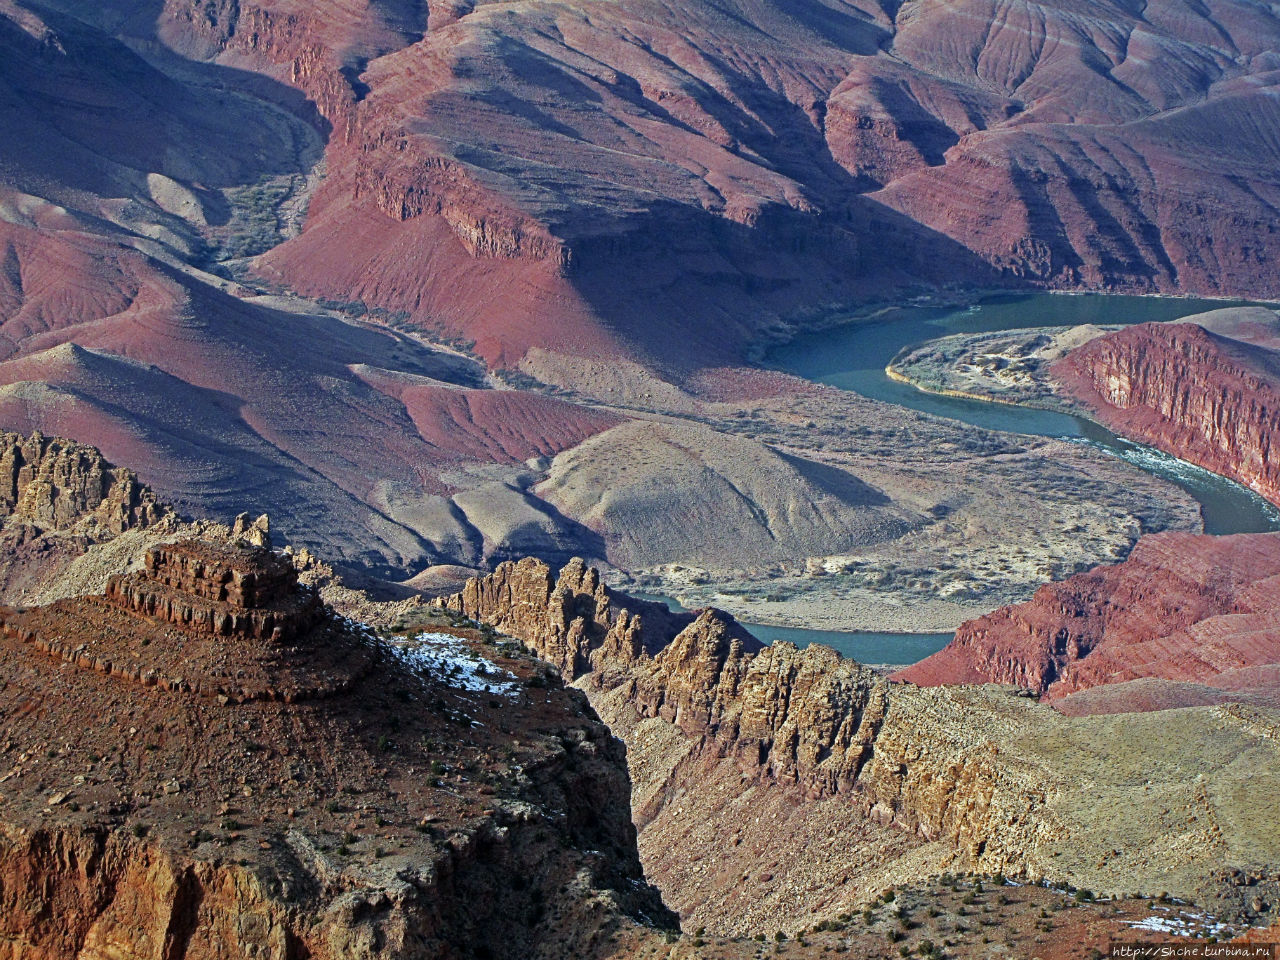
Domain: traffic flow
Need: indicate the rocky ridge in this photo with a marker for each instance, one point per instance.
(273, 797)
(53, 483)
(700, 672)
(801, 746)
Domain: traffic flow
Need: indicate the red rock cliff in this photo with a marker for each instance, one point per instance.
(1204, 397)
(1185, 609)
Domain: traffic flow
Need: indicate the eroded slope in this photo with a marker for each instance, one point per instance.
(773, 780)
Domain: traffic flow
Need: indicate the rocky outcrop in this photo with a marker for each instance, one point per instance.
(1195, 611)
(70, 520)
(271, 796)
(247, 593)
(573, 620)
(221, 598)
(774, 781)
(49, 482)
(805, 717)
(808, 718)
(1207, 398)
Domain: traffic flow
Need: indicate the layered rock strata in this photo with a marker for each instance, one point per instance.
(808, 717)
(1203, 396)
(392, 813)
(246, 593)
(207, 619)
(1193, 617)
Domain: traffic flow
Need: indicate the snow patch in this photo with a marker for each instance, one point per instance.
(1189, 926)
(448, 660)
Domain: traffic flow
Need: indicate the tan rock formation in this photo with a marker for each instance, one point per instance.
(58, 483)
(574, 621)
(775, 782)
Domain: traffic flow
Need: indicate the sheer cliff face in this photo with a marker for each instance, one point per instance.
(1208, 397)
(781, 782)
(1184, 620)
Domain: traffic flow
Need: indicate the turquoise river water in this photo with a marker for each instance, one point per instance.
(853, 357)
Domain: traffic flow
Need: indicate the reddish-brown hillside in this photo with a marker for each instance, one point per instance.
(1185, 620)
(599, 180)
(633, 164)
(662, 182)
(291, 785)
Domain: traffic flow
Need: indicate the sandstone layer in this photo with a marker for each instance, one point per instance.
(1206, 390)
(269, 781)
(831, 780)
(1192, 617)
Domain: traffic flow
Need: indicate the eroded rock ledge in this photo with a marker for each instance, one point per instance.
(230, 592)
(773, 781)
(210, 619)
(207, 762)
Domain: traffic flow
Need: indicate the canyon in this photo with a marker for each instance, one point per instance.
(838, 780)
(296, 783)
(490, 333)
(1184, 619)
(472, 300)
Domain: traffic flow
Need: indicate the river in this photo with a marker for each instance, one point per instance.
(865, 646)
(854, 357)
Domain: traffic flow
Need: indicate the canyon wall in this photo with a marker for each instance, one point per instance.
(1184, 620)
(776, 781)
(1204, 396)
